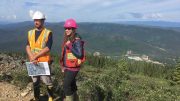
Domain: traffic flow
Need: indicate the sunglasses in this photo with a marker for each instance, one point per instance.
(68, 28)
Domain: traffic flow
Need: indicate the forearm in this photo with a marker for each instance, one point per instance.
(42, 52)
(28, 51)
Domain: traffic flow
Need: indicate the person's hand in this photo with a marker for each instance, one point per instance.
(32, 58)
(68, 42)
(62, 70)
(68, 45)
(35, 62)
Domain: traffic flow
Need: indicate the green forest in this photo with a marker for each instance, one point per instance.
(106, 79)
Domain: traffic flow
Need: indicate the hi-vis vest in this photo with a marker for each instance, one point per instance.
(39, 44)
(71, 60)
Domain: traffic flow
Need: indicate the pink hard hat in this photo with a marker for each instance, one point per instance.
(70, 23)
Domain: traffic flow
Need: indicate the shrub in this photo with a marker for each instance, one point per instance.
(176, 74)
(21, 78)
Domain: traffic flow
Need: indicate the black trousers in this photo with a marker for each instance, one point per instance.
(70, 82)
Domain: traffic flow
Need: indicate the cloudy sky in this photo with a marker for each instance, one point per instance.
(91, 10)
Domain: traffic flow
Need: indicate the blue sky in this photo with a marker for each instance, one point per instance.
(91, 10)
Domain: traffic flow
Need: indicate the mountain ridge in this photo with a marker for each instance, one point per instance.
(107, 38)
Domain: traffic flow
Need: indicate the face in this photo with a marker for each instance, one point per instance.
(68, 31)
(38, 23)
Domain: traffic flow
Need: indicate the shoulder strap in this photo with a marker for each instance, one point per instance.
(46, 34)
(30, 33)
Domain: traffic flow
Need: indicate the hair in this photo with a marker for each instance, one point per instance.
(70, 38)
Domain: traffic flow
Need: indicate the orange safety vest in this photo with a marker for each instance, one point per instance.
(71, 60)
(37, 46)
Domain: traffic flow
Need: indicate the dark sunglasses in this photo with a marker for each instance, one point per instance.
(68, 28)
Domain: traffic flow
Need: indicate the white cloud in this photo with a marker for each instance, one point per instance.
(153, 16)
(9, 17)
(14, 16)
(107, 3)
(144, 16)
(92, 10)
(140, 16)
(31, 12)
(2, 17)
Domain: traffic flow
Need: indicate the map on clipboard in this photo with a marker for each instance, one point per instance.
(42, 68)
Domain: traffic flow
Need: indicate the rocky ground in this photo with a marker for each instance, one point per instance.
(10, 66)
(10, 92)
(10, 63)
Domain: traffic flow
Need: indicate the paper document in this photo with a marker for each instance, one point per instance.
(42, 68)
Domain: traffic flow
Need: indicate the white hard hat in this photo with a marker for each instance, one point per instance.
(38, 15)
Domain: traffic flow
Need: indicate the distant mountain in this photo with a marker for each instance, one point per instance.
(107, 38)
(175, 28)
(3, 22)
(152, 23)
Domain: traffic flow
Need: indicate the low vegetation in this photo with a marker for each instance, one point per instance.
(105, 79)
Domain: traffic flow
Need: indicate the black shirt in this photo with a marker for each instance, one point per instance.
(49, 42)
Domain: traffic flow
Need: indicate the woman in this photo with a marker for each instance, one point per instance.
(71, 58)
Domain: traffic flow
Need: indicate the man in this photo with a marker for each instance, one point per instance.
(38, 49)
